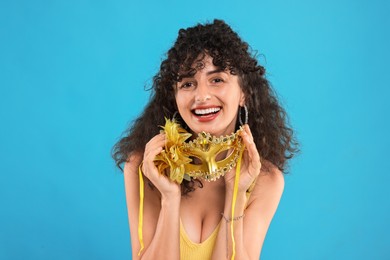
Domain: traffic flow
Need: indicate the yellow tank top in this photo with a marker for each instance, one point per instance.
(201, 251)
(196, 251)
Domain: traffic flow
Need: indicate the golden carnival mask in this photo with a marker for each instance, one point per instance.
(179, 156)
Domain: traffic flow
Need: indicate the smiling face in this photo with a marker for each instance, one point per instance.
(209, 100)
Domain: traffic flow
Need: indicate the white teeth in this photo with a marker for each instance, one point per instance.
(207, 110)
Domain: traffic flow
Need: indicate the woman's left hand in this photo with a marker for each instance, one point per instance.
(250, 164)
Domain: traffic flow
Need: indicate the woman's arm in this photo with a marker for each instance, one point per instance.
(250, 231)
(161, 209)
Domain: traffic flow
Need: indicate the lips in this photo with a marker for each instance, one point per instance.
(206, 114)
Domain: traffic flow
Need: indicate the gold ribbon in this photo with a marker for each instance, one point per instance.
(141, 209)
(235, 191)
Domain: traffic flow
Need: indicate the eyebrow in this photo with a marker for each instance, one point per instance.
(215, 71)
(207, 73)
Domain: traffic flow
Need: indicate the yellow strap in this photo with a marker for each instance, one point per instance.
(141, 209)
(236, 181)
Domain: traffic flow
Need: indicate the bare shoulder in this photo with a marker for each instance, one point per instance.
(130, 174)
(270, 179)
(262, 205)
(151, 202)
(268, 188)
(131, 166)
(132, 180)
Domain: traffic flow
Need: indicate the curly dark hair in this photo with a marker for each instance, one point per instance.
(267, 119)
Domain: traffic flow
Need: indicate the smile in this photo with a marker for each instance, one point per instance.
(206, 111)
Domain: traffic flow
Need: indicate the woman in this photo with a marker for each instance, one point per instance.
(209, 83)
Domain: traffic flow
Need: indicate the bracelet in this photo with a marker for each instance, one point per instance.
(227, 221)
(232, 219)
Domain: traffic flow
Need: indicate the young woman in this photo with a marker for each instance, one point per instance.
(230, 181)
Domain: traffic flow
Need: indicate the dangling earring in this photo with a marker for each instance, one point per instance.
(246, 115)
(175, 114)
(177, 117)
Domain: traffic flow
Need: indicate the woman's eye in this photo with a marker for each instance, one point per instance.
(186, 85)
(217, 80)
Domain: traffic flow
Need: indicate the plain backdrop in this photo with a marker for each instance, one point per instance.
(72, 78)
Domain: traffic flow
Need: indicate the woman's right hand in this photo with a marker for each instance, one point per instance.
(166, 187)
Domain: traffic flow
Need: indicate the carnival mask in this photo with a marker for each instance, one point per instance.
(180, 156)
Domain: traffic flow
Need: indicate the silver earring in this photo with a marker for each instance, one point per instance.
(175, 114)
(246, 115)
(178, 119)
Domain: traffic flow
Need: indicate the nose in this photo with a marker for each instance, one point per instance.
(202, 93)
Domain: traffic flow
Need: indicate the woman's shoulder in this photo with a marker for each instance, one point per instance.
(267, 191)
(271, 173)
(132, 163)
(270, 181)
(132, 179)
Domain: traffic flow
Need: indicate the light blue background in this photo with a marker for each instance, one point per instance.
(71, 79)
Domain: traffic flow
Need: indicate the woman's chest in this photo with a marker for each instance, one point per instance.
(200, 211)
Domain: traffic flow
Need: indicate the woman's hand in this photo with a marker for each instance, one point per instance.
(250, 164)
(166, 187)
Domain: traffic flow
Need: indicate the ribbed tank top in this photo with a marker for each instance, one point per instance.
(201, 251)
(196, 251)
